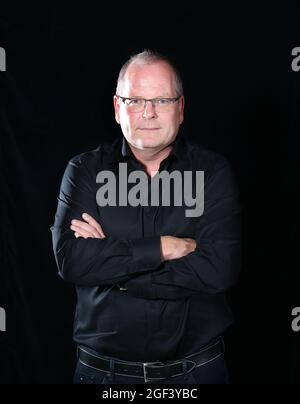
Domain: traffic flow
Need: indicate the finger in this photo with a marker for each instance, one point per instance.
(85, 226)
(93, 223)
(80, 232)
(83, 232)
(77, 235)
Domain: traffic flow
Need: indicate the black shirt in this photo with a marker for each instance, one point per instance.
(169, 308)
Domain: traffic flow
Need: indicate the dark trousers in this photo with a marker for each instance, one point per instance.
(214, 372)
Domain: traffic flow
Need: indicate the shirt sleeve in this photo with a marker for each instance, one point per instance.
(215, 264)
(92, 261)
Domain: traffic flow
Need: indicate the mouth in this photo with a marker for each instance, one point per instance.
(148, 129)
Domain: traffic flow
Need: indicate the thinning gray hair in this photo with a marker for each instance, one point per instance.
(149, 57)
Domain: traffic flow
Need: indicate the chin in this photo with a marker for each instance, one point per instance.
(146, 143)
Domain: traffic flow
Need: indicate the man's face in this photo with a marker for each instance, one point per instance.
(149, 129)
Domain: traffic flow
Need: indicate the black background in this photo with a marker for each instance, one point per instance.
(242, 100)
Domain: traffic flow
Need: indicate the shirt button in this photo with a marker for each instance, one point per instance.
(148, 210)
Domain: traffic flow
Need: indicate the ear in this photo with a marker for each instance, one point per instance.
(117, 109)
(181, 108)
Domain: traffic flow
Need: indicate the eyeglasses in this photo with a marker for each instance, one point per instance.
(139, 104)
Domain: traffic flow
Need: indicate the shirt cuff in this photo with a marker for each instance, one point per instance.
(146, 251)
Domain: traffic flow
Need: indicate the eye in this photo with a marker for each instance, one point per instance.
(135, 101)
(162, 101)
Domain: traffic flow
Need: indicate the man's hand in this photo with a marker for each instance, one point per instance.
(176, 247)
(171, 247)
(88, 228)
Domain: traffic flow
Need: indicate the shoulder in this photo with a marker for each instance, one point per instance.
(220, 177)
(206, 159)
(86, 165)
(96, 158)
(86, 158)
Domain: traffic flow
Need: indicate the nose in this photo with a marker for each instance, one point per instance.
(149, 110)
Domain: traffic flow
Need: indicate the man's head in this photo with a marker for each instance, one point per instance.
(151, 126)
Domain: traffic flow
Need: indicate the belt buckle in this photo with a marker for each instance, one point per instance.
(151, 364)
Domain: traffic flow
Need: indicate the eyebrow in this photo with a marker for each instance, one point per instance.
(159, 96)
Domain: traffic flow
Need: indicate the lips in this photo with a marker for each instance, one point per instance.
(149, 129)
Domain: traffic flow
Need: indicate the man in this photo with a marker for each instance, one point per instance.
(150, 279)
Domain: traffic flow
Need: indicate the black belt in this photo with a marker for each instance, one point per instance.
(153, 371)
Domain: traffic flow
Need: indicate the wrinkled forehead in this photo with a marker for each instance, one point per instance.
(149, 80)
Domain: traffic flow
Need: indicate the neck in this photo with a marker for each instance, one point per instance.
(150, 157)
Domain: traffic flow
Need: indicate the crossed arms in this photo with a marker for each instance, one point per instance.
(151, 267)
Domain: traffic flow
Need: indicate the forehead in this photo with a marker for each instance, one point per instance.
(156, 79)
